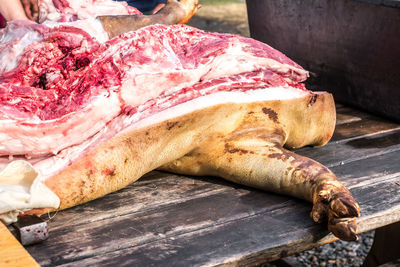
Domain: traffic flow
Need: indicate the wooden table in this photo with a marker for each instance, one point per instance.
(171, 220)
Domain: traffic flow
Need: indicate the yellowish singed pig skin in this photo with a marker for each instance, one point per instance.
(174, 12)
(241, 142)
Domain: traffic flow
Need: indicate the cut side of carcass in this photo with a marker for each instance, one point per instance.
(67, 76)
(153, 112)
(64, 93)
(82, 116)
(14, 39)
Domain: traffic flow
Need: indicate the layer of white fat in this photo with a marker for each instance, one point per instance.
(226, 65)
(137, 88)
(48, 137)
(21, 190)
(123, 123)
(47, 167)
(142, 83)
(249, 96)
(92, 26)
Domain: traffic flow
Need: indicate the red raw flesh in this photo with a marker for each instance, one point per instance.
(55, 82)
(63, 73)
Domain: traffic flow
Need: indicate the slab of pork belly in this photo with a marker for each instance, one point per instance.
(67, 92)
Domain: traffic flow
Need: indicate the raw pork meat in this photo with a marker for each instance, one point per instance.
(88, 115)
(66, 75)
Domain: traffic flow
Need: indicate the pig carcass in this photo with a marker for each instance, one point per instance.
(80, 118)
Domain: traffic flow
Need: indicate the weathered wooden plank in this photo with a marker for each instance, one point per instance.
(75, 242)
(357, 128)
(342, 109)
(268, 236)
(337, 104)
(346, 118)
(222, 243)
(380, 169)
(375, 183)
(12, 253)
(372, 173)
(346, 115)
(356, 149)
(78, 241)
(142, 195)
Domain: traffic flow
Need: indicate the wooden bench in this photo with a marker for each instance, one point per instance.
(172, 220)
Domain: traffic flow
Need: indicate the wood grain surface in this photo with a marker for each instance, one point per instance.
(12, 253)
(170, 220)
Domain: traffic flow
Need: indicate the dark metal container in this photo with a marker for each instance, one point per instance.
(351, 48)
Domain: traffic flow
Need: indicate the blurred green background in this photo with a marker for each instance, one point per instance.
(228, 16)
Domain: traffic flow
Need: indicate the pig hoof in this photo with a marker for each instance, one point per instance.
(343, 228)
(340, 210)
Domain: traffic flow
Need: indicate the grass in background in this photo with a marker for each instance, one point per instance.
(228, 16)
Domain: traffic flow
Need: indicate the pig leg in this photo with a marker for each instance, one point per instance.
(174, 12)
(266, 165)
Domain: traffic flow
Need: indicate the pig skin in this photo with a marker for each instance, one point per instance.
(174, 12)
(241, 142)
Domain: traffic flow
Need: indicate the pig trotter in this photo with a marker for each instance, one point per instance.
(190, 8)
(259, 163)
(174, 12)
(343, 228)
(335, 205)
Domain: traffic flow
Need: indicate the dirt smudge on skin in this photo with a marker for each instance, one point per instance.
(90, 166)
(312, 100)
(280, 156)
(129, 142)
(271, 114)
(108, 172)
(312, 173)
(231, 149)
(279, 153)
(171, 125)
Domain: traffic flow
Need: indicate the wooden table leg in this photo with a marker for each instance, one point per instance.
(386, 246)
